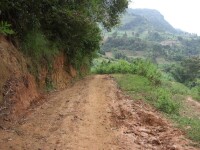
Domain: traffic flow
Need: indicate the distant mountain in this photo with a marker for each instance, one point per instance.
(145, 33)
(142, 20)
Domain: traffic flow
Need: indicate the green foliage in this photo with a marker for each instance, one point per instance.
(112, 67)
(195, 91)
(138, 66)
(27, 14)
(38, 47)
(5, 28)
(124, 43)
(49, 84)
(187, 71)
(191, 68)
(119, 55)
(149, 70)
(165, 103)
(70, 26)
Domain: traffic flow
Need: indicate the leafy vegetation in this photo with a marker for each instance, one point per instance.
(38, 47)
(72, 26)
(186, 71)
(5, 28)
(165, 102)
(139, 66)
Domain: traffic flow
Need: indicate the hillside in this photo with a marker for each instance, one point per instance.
(145, 20)
(144, 33)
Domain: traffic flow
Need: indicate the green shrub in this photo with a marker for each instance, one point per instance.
(120, 66)
(5, 28)
(195, 91)
(165, 103)
(37, 46)
(149, 70)
(138, 66)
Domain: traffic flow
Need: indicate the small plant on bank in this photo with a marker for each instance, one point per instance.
(165, 103)
(5, 28)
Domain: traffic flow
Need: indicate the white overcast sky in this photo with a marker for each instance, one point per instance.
(181, 14)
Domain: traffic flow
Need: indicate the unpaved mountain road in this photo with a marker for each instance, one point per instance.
(93, 114)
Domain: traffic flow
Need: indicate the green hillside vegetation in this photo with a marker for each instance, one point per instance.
(144, 33)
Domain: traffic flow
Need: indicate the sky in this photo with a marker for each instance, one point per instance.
(181, 14)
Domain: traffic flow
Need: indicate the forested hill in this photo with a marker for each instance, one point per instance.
(145, 19)
(146, 33)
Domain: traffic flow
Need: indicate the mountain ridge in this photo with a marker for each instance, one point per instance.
(151, 19)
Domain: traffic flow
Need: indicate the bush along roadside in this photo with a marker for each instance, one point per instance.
(140, 67)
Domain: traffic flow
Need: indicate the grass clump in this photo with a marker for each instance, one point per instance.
(195, 91)
(190, 126)
(5, 28)
(165, 103)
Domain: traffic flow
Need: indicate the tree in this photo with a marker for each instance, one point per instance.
(191, 68)
(188, 71)
(73, 25)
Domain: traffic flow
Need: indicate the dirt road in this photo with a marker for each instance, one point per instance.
(93, 114)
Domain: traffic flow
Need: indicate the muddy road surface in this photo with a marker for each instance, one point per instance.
(92, 114)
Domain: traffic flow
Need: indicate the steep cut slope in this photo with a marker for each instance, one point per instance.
(18, 87)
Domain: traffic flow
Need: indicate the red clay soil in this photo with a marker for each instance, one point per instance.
(93, 114)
